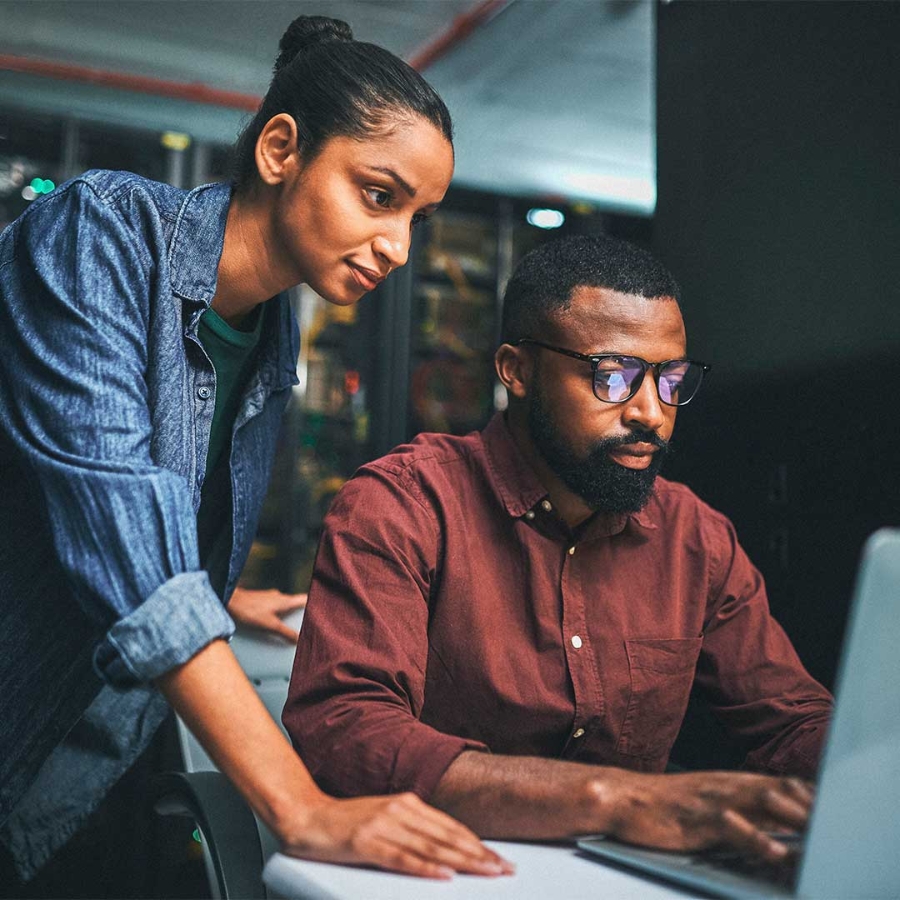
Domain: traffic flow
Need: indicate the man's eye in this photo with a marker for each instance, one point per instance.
(379, 197)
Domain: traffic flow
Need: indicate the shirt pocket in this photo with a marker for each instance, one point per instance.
(662, 672)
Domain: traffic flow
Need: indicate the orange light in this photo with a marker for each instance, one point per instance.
(351, 382)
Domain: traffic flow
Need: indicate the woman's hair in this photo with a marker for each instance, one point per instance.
(335, 86)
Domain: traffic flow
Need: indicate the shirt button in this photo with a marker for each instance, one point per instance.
(204, 393)
(579, 732)
(571, 551)
(530, 514)
(546, 505)
(576, 641)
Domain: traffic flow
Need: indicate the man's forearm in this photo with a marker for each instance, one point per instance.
(526, 797)
(539, 799)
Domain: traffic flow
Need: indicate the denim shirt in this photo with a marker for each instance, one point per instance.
(106, 402)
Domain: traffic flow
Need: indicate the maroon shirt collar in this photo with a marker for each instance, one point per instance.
(520, 490)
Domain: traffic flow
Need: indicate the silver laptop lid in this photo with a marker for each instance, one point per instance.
(853, 846)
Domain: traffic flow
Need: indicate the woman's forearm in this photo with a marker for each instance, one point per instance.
(213, 696)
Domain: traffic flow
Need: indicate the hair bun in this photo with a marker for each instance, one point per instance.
(309, 31)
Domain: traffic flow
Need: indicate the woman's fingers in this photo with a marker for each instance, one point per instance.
(263, 609)
(276, 626)
(436, 837)
(388, 855)
(400, 833)
(288, 603)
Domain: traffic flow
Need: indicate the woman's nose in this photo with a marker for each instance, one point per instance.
(394, 250)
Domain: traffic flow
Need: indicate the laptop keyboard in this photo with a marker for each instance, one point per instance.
(781, 872)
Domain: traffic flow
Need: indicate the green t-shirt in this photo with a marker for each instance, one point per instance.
(232, 352)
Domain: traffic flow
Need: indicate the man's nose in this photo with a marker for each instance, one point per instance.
(645, 408)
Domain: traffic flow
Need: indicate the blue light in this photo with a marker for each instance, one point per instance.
(545, 218)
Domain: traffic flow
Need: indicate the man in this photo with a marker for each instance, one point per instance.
(535, 591)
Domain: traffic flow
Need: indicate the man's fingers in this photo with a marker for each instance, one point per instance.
(742, 834)
(787, 810)
(801, 790)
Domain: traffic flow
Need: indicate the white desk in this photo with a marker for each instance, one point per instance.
(543, 872)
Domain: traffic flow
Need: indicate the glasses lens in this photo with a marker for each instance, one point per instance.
(617, 378)
(679, 381)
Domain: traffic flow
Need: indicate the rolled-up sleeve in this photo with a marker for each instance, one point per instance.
(750, 672)
(358, 684)
(74, 286)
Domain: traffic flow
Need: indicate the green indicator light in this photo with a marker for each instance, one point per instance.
(37, 185)
(47, 185)
(196, 836)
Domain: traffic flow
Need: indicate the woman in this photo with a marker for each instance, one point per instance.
(147, 351)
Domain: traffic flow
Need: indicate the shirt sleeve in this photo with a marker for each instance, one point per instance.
(74, 406)
(357, 691)
(750, 672)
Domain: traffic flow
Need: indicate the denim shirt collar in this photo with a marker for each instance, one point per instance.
(197, 242)
(194, 254)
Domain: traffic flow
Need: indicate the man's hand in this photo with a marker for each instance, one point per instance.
(700, 809)
(399, 832)
(263, 609)
(526, 797)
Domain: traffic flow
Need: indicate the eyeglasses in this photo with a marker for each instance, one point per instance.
(618, 378)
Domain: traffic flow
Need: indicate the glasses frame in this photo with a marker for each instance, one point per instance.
(596, 358)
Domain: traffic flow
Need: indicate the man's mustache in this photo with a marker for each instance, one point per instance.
(633, 437)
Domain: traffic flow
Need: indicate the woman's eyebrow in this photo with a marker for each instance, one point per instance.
(407, 187)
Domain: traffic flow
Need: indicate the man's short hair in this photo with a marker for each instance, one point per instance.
(544, 280)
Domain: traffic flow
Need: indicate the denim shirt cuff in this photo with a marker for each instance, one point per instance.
(176, 621)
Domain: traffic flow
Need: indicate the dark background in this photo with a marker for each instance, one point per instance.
(779, 213)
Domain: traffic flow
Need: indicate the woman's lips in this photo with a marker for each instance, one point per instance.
(633, 456)
(367, 279)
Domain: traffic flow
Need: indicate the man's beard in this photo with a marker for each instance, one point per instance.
(602, 483)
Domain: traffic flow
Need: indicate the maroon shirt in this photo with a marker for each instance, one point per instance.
(451, 609)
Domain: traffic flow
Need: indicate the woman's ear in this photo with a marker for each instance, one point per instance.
(514, 368)
(276, 149)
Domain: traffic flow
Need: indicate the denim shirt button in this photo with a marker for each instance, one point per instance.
(204, 393)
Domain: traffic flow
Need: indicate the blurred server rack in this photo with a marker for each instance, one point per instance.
(414, 355)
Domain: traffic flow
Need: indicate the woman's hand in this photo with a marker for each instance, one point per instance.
(213, 696)
(263, 609)
(399, 832)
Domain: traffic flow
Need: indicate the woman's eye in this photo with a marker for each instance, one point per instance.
(379, 197)
(418, 219)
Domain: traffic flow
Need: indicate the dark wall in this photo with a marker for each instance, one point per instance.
(779, 213)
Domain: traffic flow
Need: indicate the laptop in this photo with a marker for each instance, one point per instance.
(852, 844)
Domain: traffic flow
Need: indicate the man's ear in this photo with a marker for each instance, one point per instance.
(276, 149)
(514, 366)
